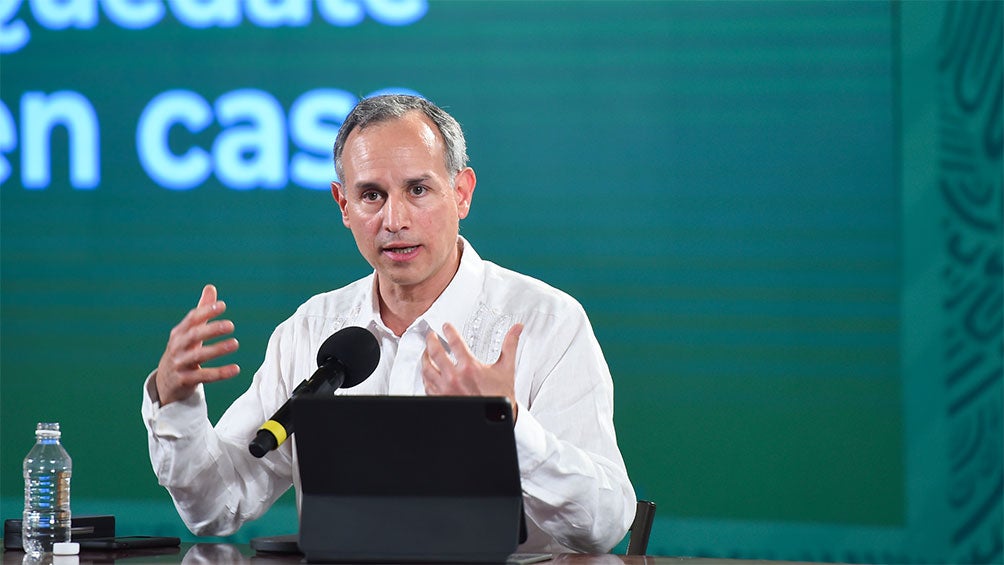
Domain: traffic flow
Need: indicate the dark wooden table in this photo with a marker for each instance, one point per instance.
(226, 553)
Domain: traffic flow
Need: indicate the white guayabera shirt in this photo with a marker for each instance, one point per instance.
(576, 490)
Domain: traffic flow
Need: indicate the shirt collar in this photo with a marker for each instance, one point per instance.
(459, 301)
(454, 305)
(367, 310)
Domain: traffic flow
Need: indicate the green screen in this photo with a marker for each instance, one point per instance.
(718, 183)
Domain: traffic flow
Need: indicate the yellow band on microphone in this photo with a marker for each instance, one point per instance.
(277, 430)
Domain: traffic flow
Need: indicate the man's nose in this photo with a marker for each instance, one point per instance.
(395, 213)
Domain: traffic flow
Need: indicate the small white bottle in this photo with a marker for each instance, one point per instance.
(47, 470)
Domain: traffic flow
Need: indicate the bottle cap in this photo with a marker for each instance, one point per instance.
(47, 429)
(65, 548)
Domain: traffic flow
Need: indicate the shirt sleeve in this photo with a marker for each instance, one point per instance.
(576, 487)
(216, 484)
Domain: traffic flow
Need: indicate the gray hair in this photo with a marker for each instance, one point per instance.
(387, 107)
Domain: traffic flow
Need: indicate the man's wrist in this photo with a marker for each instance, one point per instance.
(151, 388)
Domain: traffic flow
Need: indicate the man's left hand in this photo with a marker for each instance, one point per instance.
(468, 376)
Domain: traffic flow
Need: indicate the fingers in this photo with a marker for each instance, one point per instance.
(463, 373)
(211, 374)
(208, 295)
(193, 357)
(440, 373)
(201, 314)
(457, 344)
(186, 336)
(180, 369)
(463, 355)
(434, 360)
(507, 358)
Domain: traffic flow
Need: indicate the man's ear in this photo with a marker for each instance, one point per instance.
(339, 196)
(464, 184)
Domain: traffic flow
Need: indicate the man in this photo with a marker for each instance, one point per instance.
(448, 323)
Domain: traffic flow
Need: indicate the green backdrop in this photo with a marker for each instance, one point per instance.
(783, 218)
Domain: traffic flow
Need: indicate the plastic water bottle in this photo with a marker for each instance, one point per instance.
(47, 471)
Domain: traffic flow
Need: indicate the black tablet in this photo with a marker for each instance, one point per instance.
(407, 479)
(129, 542)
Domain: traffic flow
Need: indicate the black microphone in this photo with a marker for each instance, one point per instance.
(345, 359)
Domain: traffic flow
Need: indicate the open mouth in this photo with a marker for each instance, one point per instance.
(400, 253)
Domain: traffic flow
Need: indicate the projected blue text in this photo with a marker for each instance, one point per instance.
(15, 33)
(256, 143)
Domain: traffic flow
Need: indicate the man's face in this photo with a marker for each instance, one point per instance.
(402, 208)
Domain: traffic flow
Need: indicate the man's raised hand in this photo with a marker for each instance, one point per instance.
(180, 370)
(468, 376)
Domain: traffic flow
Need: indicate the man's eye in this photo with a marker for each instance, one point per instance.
(371, 196)
(419, 190)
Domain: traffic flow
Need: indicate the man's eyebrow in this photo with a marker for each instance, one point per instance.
(367, 185)
(416, 180)
(363, 186)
